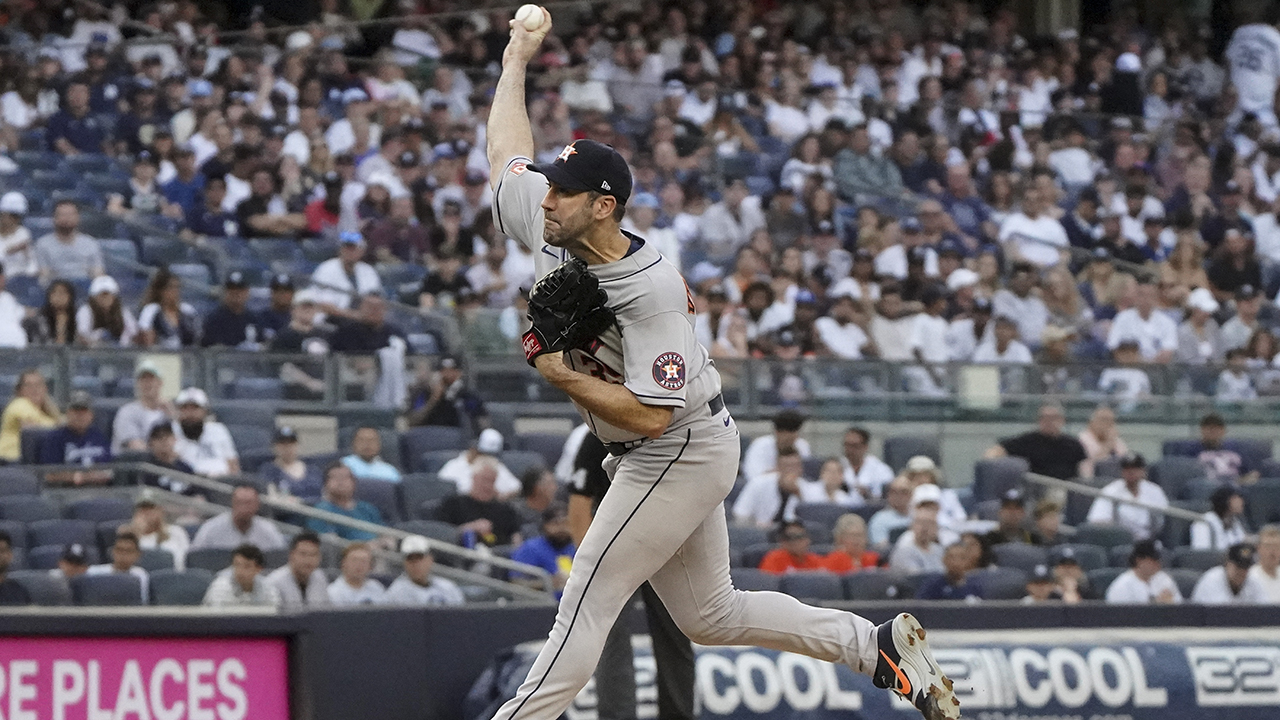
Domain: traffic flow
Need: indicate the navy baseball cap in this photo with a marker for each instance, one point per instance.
(588, 165)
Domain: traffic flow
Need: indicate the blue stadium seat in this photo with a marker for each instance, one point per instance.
(90, 163)
(194, 276)
(100, 509)
(26, 289)
(752, 555)
(1002, 583)
(992, 477)
(383, 495)
(28, 509)
(1020, 556)
(418, 440)
(549, 445)
(170, 587)
(18, 480)
(111, 590)
(45, 589)
(812, 585)
(824, 514)
(30, 443)
(154, 559)
(423, 344)
(253, 412)
(270, 251)
(211, 559)
(258, 388)
(871, 584)
(61, 532)
(1186, 578)
(121, 249)
(45, 557)
(898, 449)
(1173, 474)
(1088, 557)
(163, 251)
(251, 437)
(1185, 557)
(432, 529)
(17, 531)
(743, 536)
(1105, 536)
(1262, 501)
(1102, 578)
(746, 578)
(518, 461)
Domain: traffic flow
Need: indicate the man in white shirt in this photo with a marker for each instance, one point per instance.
(337, 280)
(1032, 234)
(895, 514)
(240, 525)
(1003, 346)
(729, 224)
(1074, 164)
(840, 331)
(416, 586)
(1144, 582)
(1018, 303)
(1231, 582)
(891, 325)
(1155, 332)
(341, 136)
(1132, 485)
(918, 550)
(203, 444)
(762, 454)
(301, 582)
(863, 471)
(133, 422)
(12, 313)
(460, 469)
(927, 345)
(771, 497)
(1267, 570)
(125, 554)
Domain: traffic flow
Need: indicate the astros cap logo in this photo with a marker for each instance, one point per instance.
(566, 152)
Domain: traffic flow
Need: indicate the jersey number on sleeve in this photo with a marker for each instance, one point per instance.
(596, 369)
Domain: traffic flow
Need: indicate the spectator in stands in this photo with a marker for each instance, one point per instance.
(863, 471)
(66, 253)
(1018, 303)
(1048, 524)
(416, 586)
(1267, 569)
(1247, 320)
(1144, 582)
(1223, 525)
(793, 552)
(918, 550)
(495, 281)
(76, 442)
(1233, 267)
(240, 525)
(338, 281)
(339, 497)
(31, 407)
(849, 551)
(264, 213)
(11, 593)
(487, 445)
(1003, 346)
(1011, 520)
(55, 322)
(104, 321)
(830, 487)
(772, 496)
(354, 586)
(729, 224)
(287, 474)
(1235, 382)
(301, 582)
(1072, 582)
(446, 283)
(133, 421)
(447, 400)
(1218, 454)
(204, 444)
(538, 489)
(368, 331)
(1101, 439)
(232, 324)
(17, 251)
(552, 550)
(365, 461)
(922, 470)
(1155, 333)
(858, 171)
(279, 311)
(955, 581)
(1041, 586)
(165, 322)
(125, 554)
(762, 454)
(1133, 485)
(1033, 235)
(242, 584)
(12, 317)
(208, 219)
(186, 187)
(480, 513)
(303, 333)
(74, 130)
(1231, 583)
(142, 196)
(1046, 450)
(155, 533)
(73, 562)
(162, 451)
(895, 514)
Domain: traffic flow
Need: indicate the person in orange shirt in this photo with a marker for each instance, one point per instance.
(792, 552)
(850, 553)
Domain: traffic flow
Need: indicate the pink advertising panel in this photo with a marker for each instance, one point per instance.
(49, 678)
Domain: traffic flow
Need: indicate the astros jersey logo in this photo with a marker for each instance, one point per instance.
(668, 371)
(566, 152)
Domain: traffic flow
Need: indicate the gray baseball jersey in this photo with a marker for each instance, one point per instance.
(651, 349)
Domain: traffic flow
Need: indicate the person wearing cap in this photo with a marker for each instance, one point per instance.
(134, 420)
(1248, 319)
(1199, 337)
(399, 237)
(365, 460)
(968, 330)
(895, 514)
(103, 320)
(1220, 455)
(125, 553)
(761, 455)
(1010, 520)
(208, 218)
(31, 407)
(279, 311)
(232, 324)
(76, 442)
(337, 281)
(718, 328)
(1235, 382)
(956, 581)
(66, 253)
(341, 137)
(927, 329)
(1231, 583)
(305, 332)
(1126, 382)
(72, 563)
(1145, 582)
(162, 452)
(324, 213)
(921, 470)
(1017, 302)
(13, 334)
(155, 533)
(242, 584)
(1041, 586)
(459, 469)
(204, 444)
(17, 252)
(416, 586)
(185, 187)
(1046, 449)
(1101, 286)
(73, 130)
(287, 473)
(918, 550)
(552, 550)
(1143, 522)
(495, 280)
(1229, 215)
(841, 330)
(1082, 223)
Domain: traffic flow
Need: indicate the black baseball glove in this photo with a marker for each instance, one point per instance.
(567, 309)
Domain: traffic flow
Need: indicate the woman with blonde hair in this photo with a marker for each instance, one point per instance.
(1101, 439)
(1184, 269)
(31, 407)
(1062, 298)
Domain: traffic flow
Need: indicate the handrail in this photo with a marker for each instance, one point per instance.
(1078, 487)
(298, 508)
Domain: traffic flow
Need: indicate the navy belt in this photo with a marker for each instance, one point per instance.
(715, 405)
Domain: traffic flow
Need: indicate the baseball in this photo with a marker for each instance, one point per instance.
(530, 16)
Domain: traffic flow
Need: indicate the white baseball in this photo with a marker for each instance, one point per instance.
(530, 16)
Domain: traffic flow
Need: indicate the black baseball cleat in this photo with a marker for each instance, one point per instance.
(907, 668)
